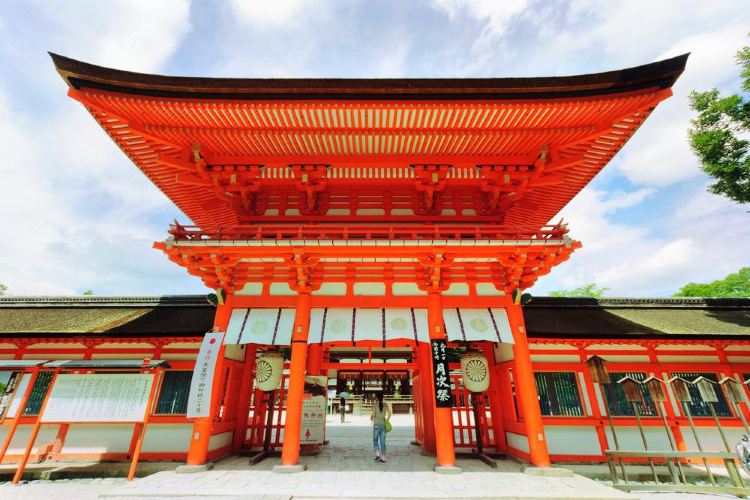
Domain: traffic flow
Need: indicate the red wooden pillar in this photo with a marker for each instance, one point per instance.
(446, 456)
(314, 359)
(295, 394)
(496, 404)
(198, 452)
(526, 389)
(246, 391)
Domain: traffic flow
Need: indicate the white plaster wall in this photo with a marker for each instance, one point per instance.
(98, 438)
(710, 437)
(517, 441)
(47, 435)
(167, 438)
(571, 440)
(630, 438)
(220, 440)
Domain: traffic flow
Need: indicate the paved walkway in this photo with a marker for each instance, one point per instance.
(345, 469)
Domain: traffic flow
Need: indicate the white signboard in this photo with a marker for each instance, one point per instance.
(118, 397)
(312, 429)
(199, 399)
(313, 420)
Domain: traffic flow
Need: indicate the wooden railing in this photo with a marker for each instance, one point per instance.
(676, 480)
(367, 232)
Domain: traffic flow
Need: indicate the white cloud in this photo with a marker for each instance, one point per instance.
(137, 35)
(75, 210)
(271, 12)
(495, 16)
(659, 154)
(705, 238)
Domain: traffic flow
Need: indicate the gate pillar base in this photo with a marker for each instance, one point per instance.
(447, 469)
(191, 469)
(289, 469)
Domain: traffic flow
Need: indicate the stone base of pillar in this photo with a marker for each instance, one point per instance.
(548, 471)
(447, 469)
(288, 469)
(191, 469)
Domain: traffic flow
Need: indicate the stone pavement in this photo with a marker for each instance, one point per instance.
(345, 469)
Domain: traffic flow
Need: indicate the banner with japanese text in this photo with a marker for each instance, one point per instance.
(440, 374)
(199, 398)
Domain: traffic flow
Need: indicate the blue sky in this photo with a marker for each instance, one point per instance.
(76, 215)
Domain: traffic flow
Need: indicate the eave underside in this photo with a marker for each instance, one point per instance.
(506, 151)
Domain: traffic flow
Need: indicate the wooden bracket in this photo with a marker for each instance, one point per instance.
(429, 180)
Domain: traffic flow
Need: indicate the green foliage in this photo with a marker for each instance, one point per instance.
(587, 290)
(719, 136)
(88, 292)
(3, 289)
(733, 285)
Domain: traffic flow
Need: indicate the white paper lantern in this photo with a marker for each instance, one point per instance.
(475, 371)
(268, 370)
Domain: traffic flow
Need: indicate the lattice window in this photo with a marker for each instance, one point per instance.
(558, 394)
(618, 404)
(173, 397)
(38, 393)
(698, 408)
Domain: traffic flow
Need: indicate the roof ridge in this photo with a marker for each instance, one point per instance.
(102, 300)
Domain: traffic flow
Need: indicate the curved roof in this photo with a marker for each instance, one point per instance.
(660, 74)
(237, 151)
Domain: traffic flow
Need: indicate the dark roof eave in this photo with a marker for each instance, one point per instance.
(660, 74)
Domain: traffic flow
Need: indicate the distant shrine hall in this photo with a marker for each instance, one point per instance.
(363, 235)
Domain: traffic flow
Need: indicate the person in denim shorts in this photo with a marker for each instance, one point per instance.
(380, 413)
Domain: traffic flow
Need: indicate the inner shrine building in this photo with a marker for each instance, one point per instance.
(353, 224)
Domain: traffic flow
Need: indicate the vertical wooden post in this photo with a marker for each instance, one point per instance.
(526, 389)
(590, 389)
(314, 359)
(446, 456)
(17, 418)
(295, 394)
(142, 426)
(246, 391)
(496, 404)
(34, 432)
(198, 452)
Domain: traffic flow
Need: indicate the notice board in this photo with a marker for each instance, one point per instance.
(98, 397)
(312, 428)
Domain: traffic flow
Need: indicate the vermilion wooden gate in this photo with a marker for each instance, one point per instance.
(464, 426)
(258, 419)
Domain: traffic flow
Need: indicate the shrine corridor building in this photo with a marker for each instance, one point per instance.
(347, 224)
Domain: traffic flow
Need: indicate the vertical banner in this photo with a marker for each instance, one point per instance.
(440, 374)
(199, 399)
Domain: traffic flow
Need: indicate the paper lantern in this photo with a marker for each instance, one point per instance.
(598, 370)
(268, 370)
(475, 371)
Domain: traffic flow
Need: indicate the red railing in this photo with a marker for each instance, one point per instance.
(367, 232)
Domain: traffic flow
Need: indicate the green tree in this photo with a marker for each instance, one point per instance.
(88, 292)
(3, 289)
(719, 135)
(587, 290)
(733, 285)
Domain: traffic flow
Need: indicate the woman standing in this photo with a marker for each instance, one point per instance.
(380, 413)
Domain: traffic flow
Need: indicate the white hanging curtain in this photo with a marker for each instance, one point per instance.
(470, 324)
